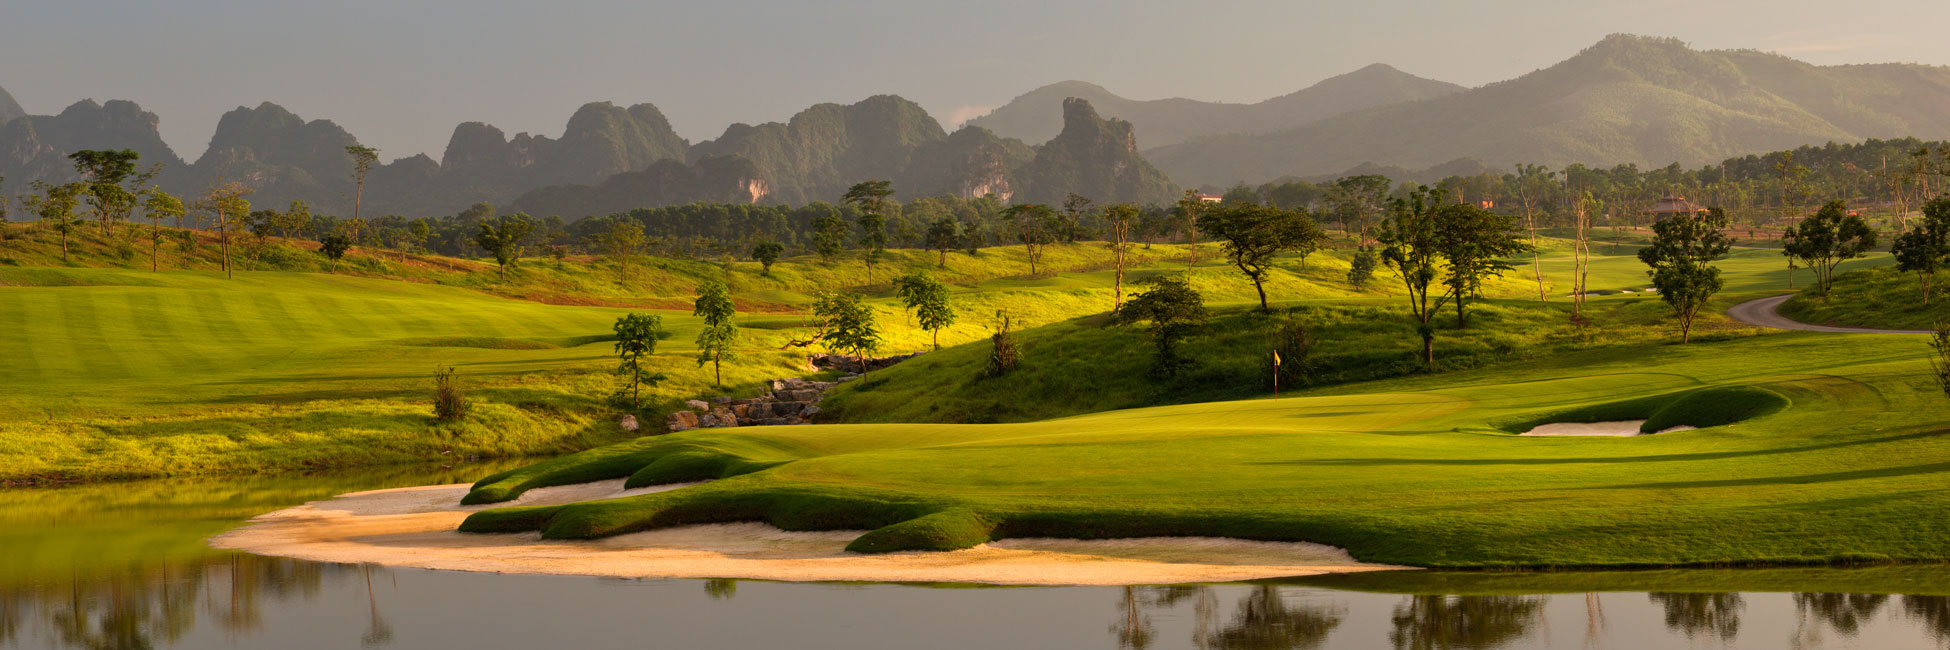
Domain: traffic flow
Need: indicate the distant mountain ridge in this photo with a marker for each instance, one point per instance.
(1162, 122)
(9, 109)
(1628, 99)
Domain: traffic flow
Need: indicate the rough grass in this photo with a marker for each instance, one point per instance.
(1881, 298)
(1410, 471)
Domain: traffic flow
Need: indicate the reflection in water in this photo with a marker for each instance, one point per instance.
(1933, 611)
(378, 632)
(720, 588)
(1697, 615)
(1845, 613)
(1442, 622)
(1266, 621)
(157, 606)
(1134, 630)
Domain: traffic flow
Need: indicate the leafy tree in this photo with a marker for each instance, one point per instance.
(636, 341)
(55, 206)
(1252, 235)
(1683, 249)
(502, 238)
(870, 198)
(1827, 239)
(1926, 249)
(928, 299)
(829, 231)
(1533, 182)
(714, 341)
(1940, 355)
(1074, 206)
(104, 172)
(418, 232)
(158, 204)
(363, 158)
(1474, 241)
(624, 239)
(226, 201)
(1357, 200)
(1361, 269)
(767, 254)
(1121, 218)
(847, 325)
(1173, 311)
(944, 235)
(334, 246)
(1189, 208)
(1411, 246)
(1036, 226)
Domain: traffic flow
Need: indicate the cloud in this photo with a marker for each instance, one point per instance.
(961, 115)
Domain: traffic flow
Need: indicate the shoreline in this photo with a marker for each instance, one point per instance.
(415, 528)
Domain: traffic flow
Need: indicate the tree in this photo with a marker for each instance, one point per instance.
(829, 231)
(1832, 236)
(1004, 356)
(334, 246)
(1074, 206)
(363, 158)
(1411, 247)
(1356, 200)
(1173, 310)
(1036, 225)
(1681, 257)
(1533, 181)
(624, 239)
(928, 299)
(1120, 217)
(1473, 242)
(226, 201)
(418, 232)
(636, 341)
(767, 254)
(870, 198)
(55, 206)
(847, 325)
(1940, 356)
(104, 172)
(1251, 235)
(1189, 209)
(1581, 252)
(158, 204)
(1926, 250)
(714, 341)
(1361, 269)
(944, 235)
(502, 238)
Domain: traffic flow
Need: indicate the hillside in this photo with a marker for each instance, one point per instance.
(1031, 117)
(1629, 99)
(826, 148)
(9, 109)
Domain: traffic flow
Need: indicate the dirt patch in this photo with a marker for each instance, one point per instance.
(415, 527)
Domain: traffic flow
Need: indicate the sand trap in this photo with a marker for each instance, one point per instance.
(1612, 428)
(415, 527)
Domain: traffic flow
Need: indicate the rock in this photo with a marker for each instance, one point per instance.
(784, 409)
(721, 399)
(758, 411)
(718, 418)
(681, 421)
(698, 405)
(628, 423)
(743, 411)
(809, 412)
(778, 385)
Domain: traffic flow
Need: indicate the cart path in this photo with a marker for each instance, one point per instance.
(1765, 313)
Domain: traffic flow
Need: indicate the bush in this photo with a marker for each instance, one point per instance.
(1005, 356)
(1294, 344)
(449, 400)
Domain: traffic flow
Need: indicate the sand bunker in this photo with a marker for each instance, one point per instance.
(415, 527)
(1612, 428)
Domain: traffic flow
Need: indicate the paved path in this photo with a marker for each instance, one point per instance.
(1765, 313)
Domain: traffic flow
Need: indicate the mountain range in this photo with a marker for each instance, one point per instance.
(1627, 99)
(1171, 121)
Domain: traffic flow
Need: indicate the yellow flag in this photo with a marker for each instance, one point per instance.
(1276, 357)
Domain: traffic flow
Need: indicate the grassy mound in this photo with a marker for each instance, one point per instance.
(482, 342)
(1838, 470)
(1699, 408)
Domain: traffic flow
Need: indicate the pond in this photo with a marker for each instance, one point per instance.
(123, 566)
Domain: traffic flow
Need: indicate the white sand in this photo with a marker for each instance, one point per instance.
(1612, 428)
(415, 527)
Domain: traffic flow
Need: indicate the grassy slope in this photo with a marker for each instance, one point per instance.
(1881, 298)
(1403, 471)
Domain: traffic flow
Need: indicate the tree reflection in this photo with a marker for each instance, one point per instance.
(1266, 621)
(1442, 622)
(148, 607)
(1933, 611)
(721, 588)
(378, 632)
(1845, 613)
(1133, 629)
(1702, 614)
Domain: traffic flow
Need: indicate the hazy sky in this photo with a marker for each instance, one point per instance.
(399, 74)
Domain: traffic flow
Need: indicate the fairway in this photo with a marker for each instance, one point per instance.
(1407, 472)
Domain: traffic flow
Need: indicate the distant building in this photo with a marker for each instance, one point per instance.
(1210, 198)
(1670, 205)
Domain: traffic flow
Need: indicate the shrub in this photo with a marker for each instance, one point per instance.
(1294, 344)
(449, 400)
(1005, 356)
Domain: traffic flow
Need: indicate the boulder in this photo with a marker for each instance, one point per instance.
(786, 409)
(743, 411)
(806, 395)
(718, 418)
(698, 405)
(628, 423)
(721, 399)
(681, 421)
